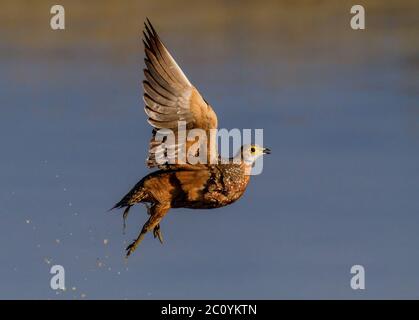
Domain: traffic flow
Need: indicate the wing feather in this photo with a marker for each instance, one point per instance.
(169, 97)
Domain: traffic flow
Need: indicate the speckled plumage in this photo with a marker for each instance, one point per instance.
(169, 98)
(212, 186)
(209, 187)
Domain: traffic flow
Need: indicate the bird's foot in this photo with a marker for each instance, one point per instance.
(157, 213)
(131, 248)
(156, 230)
(124, 217)
(157, 233)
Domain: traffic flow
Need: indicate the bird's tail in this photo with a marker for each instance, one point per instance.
(119, 205)
(135, 195)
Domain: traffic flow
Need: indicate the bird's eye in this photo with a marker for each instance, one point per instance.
(252, 150)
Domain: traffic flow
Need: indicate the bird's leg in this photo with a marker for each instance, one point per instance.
(157, 233)
(124, 217)
(157, 212)
(156, 230)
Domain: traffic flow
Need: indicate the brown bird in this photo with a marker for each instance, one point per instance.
(169, 99)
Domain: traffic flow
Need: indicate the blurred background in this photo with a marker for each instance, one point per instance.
(339, 109)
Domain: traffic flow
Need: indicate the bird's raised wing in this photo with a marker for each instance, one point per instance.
(169, 99)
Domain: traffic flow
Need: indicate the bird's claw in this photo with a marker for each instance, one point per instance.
(157, 233)
(130, 249)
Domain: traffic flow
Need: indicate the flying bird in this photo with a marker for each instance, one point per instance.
(169, 99)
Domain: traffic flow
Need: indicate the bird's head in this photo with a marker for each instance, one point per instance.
(251, 152)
